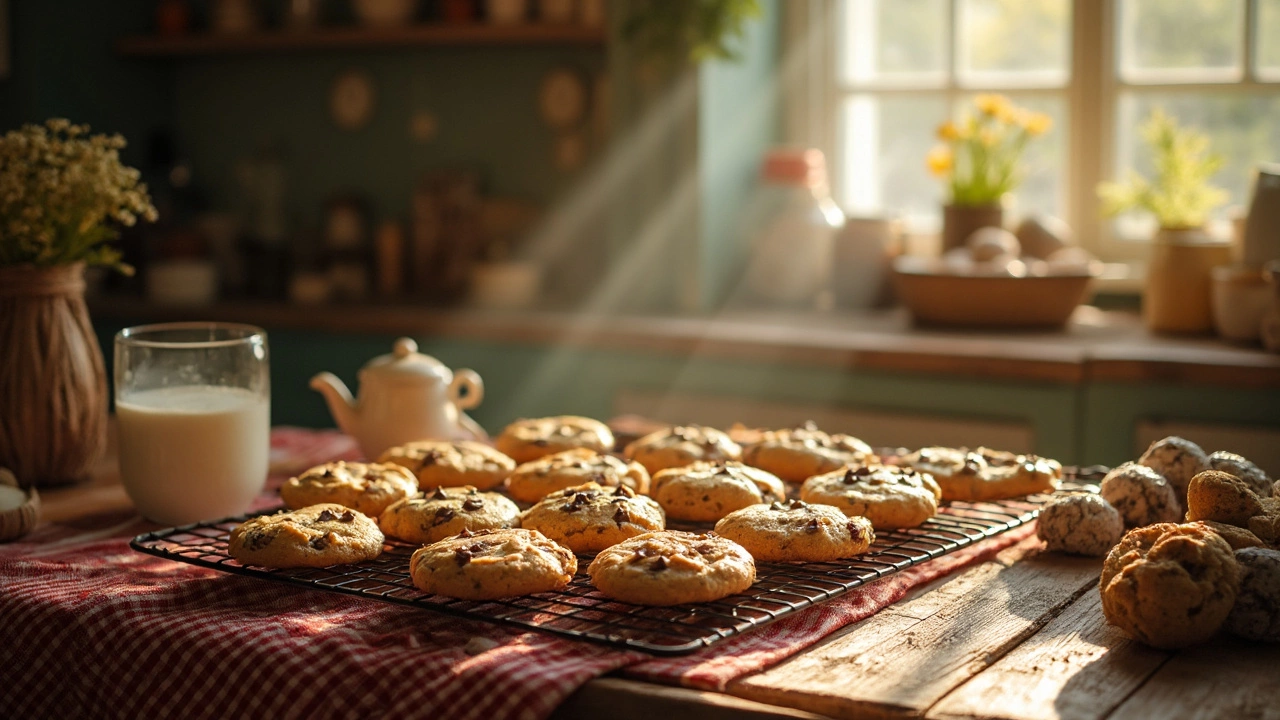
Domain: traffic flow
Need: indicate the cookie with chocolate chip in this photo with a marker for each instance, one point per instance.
(797, 454)
(534, 480)
(441, 512)
(682, 445)
(707, 491)
(491, 564)
(796, 530)
(444, 463)
(314, 536)
(887, 495)
(985, 474)
(531, 438)
(672, 568)
(367, 487)
(589, 517)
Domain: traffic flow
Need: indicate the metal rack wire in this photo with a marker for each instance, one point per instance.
(580, 612)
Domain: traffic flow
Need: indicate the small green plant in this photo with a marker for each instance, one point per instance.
(698, 29)
(62, 194)
(1180, 196)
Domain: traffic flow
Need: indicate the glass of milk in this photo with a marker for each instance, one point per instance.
(193, 402)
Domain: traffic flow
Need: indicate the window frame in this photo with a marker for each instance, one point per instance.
(1092, 92)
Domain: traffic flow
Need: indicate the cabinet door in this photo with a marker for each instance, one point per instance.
(1259, 444)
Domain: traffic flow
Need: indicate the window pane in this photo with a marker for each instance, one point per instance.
(884, 141)
(1267, 40)
(1241, 127)
(1023, 43)
(1181, 40)
(893, 41)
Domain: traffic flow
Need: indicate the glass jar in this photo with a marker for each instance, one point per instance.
(791, 222)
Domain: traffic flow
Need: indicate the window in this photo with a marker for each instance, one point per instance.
(895, 69)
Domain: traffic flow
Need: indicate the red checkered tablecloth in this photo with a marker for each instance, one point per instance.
(89, 628)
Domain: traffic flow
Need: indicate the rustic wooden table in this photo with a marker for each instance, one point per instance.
(1021, 636)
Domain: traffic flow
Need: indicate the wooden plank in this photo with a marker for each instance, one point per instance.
(903, 660)
(1076, 668)
(1227, 679)
(618, 699)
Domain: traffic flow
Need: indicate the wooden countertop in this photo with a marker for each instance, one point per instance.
(1097, 346)
(1020, 637)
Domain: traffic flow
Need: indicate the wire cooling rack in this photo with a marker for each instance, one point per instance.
(580, 612)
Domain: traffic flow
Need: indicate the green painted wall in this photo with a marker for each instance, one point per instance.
(484, 101)
(738, 120)
(63, 64)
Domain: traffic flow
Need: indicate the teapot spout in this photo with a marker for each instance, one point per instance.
(341, 405)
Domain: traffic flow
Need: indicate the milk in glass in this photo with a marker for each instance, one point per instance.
(195, 452)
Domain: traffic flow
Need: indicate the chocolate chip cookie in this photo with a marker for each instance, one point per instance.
(490, 564)
(451, 463)
(795, 531)
(532, 481)
(1142, 495)
(707, 491)
(529, 439)
(589, 518)
(1168, 585)
(797, 454)
(441, 512)
(314, 536)
(367, 487)
(672, 568)
(1084, 524)
(682, 445)
(889, 496)
(985, 474)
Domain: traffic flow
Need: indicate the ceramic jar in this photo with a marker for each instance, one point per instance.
(1177, 295)
(960, 221)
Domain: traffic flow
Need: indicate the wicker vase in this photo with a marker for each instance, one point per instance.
(53, 386)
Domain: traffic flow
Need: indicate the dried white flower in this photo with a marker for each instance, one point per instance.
(62, 192)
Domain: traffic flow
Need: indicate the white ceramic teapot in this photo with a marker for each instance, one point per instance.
(404, 396)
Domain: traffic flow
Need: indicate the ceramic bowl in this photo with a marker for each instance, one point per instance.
(936, 296)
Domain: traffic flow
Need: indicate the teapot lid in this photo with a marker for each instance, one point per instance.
(405, 363)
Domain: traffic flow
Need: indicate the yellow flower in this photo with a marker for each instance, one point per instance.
(1035, 123)
(988, 137)
(939, 160)
(948, 131)
(994, 105)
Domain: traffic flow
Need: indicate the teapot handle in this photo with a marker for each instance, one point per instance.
(467, 389)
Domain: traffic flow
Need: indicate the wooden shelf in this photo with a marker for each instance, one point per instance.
(426, 35)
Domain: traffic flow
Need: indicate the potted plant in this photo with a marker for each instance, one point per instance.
(63, 192)
(1177, 293)
(978, 159)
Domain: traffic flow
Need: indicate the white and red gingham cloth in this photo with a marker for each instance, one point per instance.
(90, 628)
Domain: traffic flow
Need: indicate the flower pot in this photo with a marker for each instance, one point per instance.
(1177, 295)
(959, 222)
(53, 389)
